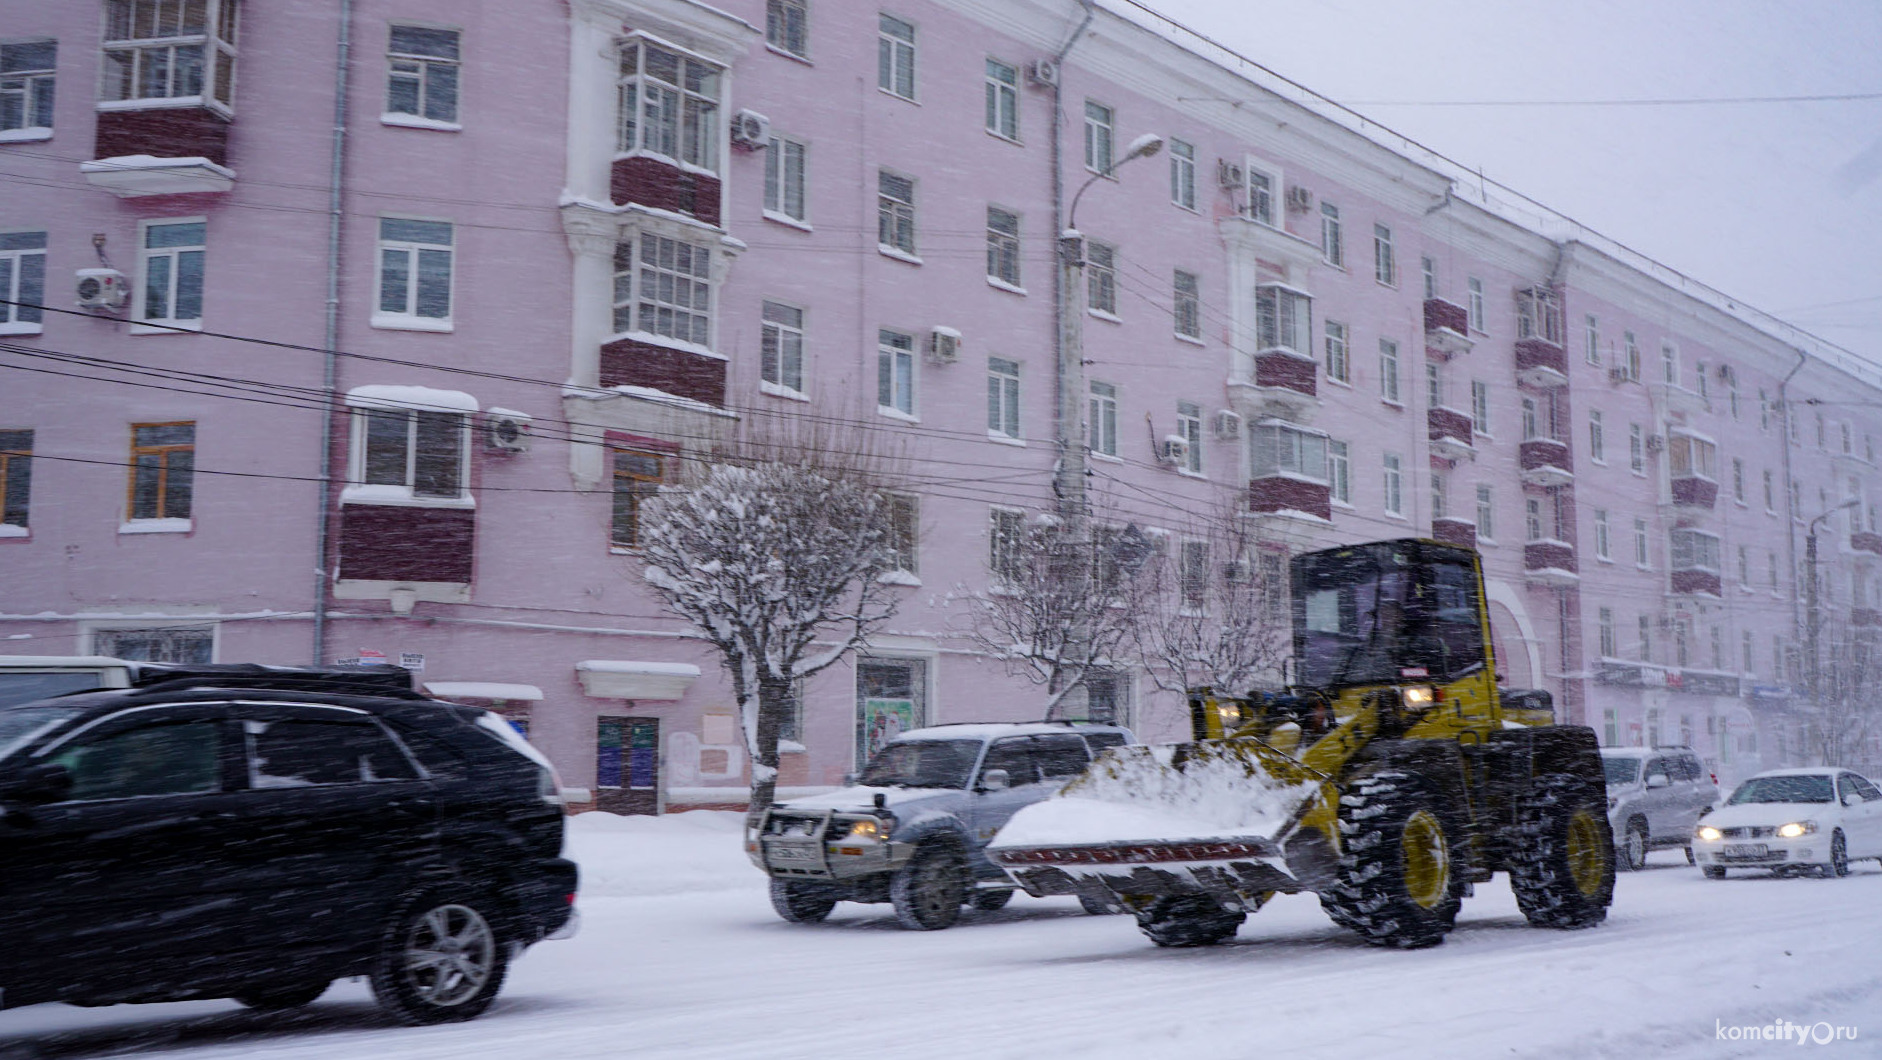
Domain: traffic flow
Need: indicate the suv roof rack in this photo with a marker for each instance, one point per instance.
(1043, 721)
(392, 681)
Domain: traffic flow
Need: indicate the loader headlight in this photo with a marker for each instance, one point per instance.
(1419, 695)
(1710, 834)
(867, 828)
(1796, 828)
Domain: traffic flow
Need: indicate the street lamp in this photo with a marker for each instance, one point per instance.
(1813, 620)
(1068, 483)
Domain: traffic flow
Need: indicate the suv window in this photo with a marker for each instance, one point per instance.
(296, 753)
(1099, 741)
(1061, 757)
(1015, 755)
(176, 758)
(1656, 765)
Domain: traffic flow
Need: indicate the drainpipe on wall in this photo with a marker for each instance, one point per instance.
(323, 522)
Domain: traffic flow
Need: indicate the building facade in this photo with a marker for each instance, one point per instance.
(362, 329)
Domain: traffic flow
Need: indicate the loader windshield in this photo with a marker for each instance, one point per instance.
(1376, 615)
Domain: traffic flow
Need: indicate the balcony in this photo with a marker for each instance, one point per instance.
(1288, 494)
(1447, 329)
(1450, 433)
(1454, 531)
(1541, 364)
(425, 551)
(160, 151)
(1696, 581)
(647, 180)
(1550, 563)
(1545, 463)
(1285, 386)
(682, 373)
(1865, 541)
(1694, 492)
(1677, 400)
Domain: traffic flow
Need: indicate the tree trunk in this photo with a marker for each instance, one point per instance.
(774, 699)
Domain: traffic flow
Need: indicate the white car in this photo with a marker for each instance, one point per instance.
(1793, 821)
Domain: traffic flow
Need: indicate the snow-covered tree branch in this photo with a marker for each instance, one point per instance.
(1214, 608)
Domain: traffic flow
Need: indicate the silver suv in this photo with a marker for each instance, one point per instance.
(913, 829)
(1655, 797)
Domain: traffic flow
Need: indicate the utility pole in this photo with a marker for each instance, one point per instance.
(1813, 620)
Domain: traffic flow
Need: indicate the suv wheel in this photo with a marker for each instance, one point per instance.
(281, 997)
(928, 891)
(800, 902)
(1634, 846)
(441, 962)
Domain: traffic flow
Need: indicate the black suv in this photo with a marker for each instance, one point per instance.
(257, 832)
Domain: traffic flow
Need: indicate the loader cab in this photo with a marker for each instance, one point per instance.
(1386, 613)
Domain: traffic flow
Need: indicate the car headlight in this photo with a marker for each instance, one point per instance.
(867, 828)
(1796, 828)
(1710, 834)
(1418, 695)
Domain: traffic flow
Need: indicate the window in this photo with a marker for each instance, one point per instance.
(1002, 99)
(1434, 385)
(1597, 442)
(1183, 174)
(16, 481)
(1101, 278)
(1480, 407)
(422, 82)
(1640, 543)
(1332, 237)
(781, 347)
(1100, 126)
(22, 280)
(1394, 493)
(177, 758)
(1486, 514)
(663, 289)
(169, 49)
(1591, 339)
(1107, 697)
(637, 478)
(1002, 397)
(1006, 539)
(1669, 364)
(26, 82)
(1103, 423)
(1187, 300)
(1744, 566)
(1847, 448)
(1388, 370)
(1002, 246)
(163, 465)
(1339, 368)
(1194, 574)
(1604, 623)
(159, 644)
(1764, 410)
(1475, 307)
(1701, 380)
(172, 263)
(904, 531)
(418, 453)
(1532, 519)
(669, 105)
(1532, 426)
(294, 753)
(1602, 549)
(1429, 269)
(787, 26)
(1645, 637)
(1738, 480)
(1384, 265)
(1189, 428)
(1538, 315)
(1770, 503)
(1689, 455)
(1440, 507)
(1745, 649)
(1632, 355)
(895, 57)
(1283, 320)
(1281, 449)
(1636, 449)
(784, 180)
(1694, 550)
(895, 213)
(414, 273)
(1731, 385)
(1339, 472)
(895, 372)
(1263, 185)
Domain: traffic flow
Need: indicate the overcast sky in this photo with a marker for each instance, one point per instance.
(1779, 204)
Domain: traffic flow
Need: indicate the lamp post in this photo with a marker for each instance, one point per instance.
(1068, 482)
(1813, 619)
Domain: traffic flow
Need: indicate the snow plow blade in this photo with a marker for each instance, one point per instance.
(1220, 817)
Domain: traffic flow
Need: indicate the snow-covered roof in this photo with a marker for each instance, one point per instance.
(628, 666)
(483, 690)
(382, 396)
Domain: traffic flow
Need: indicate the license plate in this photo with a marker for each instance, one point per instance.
(1745, 850)
(790, 854)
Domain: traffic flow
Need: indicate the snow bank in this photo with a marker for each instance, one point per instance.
(678, 853)
(1151, 793)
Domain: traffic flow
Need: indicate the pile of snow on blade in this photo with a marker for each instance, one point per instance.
(1215, 790)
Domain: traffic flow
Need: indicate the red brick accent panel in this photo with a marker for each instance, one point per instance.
(1290, 494)
(1694, 492)
(1864, 541)
(625, 362)
(1455, 532)
(1549, 555)
(1286, 371)
(383, 542)
(1442, 314)
(1449, 423)
(665, 186)
(1696, 581)
(1535, 353)
(1544, 452)
(171, 132)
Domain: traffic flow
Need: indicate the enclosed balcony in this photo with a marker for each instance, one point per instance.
(1695, 563)
(1447, 329)
(1289, 471)
(1692, 469)
(1545, 462)
(166, 100)
(1549, 562)
(1450, 433)
(1541, 364)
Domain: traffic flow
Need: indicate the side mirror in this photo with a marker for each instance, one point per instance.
(1657, 780)
(995, 780)
(849, 780)
(41, 783)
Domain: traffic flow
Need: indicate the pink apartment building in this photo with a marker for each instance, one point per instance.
(395, 384)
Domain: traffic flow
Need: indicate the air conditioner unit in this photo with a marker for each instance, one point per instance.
(1228, 425)
(102, 288)
(1299, 199)
(506, 431)
(1174, 449)
(751, 129)
(1656, 442)
(944, 344)
(1042, 72)
(1229, 174)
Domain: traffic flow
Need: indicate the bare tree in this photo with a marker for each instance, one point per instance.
(1212, 613)
(776, 553)
(1845, 719)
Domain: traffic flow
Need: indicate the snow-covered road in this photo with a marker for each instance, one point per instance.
(680, 956)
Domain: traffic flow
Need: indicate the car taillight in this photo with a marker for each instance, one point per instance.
(571, 898)
(1715, 779)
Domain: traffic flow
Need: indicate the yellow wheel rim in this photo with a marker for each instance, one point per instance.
(1587, 854)
(1427, 860)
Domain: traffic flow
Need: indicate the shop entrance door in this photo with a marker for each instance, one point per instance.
(627, 765)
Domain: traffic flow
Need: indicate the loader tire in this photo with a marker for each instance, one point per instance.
(927, 893)
(1561, 860)
(1400, 878)
(1188, 920)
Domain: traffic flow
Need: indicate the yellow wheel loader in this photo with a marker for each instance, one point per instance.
(1392, 776)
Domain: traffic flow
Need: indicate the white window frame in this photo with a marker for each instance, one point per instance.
(405, 492)
(1632, 355)
(1539, 315)
(902, 519)
(895, 216)
(215, 43)
(1604, 626)
(1636, 449)
(15, 262)
(1473, 309)
(1287, 450)
(1643, 557)
(897, 374)
(1265, 188)
(1003, 264)
(413, 250)
(1738, 480)
(143, 322)
(1532, 520)
(1192, 575)
(895, 57)
(1283, 320)
(1591, 338)
(781, 349)
(1692, 549)
(1189, 428)
(1183, 174)
(1602, 549)
(1102, 418)
(1428, 268)
(1186, 305)
(1486, 514)
(1002, 99)
(1006, 541)
(427, 72)
(1100, 137)
(1003, 408)
(1393, 482)
(787, 182)
(1332, 236)
(1339, 472)
(634, 274)
(1101, 280)
(31, 91)
(685, 128)
(1339, 355)
(1597, 437)
(1384, 256)
(1669, 364)
(1389, 384)
(782, 19)
(1480, 408)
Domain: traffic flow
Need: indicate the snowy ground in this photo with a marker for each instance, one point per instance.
(680, 956)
